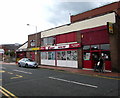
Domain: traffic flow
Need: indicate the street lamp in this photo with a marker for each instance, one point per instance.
(36, 32)
(32, 25)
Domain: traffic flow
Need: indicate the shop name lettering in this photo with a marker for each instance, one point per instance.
(75, 45)
(60, 47)
(57, 47)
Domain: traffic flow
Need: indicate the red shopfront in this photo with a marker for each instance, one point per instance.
(63, 56)
(20, 55)
(95, 43)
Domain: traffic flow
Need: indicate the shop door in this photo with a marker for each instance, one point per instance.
(107, 60)
(87, 59)
(91, 58)
(95, 55)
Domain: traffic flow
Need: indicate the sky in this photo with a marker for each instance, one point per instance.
(43, 14)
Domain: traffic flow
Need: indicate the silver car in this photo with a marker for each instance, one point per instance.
(26, 62)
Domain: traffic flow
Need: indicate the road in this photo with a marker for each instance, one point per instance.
(19, 81)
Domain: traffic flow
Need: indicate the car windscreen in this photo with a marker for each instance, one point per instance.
(30, 60)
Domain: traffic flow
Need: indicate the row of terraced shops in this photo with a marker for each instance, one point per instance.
(79, 44)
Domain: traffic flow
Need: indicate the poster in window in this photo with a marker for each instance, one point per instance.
(87, 56)
(51, 55)
(59, 55)
(63, 55)
(72, 55)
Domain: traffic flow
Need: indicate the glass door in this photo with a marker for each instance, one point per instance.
(95, 55)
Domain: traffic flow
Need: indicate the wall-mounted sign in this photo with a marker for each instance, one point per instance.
(32, 44)
(75, 45)
(36, 48)
(110, 27)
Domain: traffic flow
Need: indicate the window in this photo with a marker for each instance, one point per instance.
(105, 47)
(48, 41)
(72, 55)
(106, 55)
(86, 56)
(48, 55)
(67, 55)
(61, 55)
(86, 47)
(44, 55)
(51, 55)
(94, 47)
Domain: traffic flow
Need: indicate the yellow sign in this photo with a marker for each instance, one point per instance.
(110, 27)
(37, 48)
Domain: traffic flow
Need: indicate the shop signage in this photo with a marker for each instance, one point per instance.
(75, 45)
(110, 27)
(37, 48)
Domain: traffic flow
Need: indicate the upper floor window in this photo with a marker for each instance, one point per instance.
(105, 46)
(86, 47)
(48, 41)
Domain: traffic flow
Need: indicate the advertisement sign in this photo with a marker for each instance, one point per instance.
(110, 27)
(75, 45)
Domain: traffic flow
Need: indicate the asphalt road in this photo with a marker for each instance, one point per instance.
(19, 81)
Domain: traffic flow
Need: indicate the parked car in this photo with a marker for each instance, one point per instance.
(27, 62)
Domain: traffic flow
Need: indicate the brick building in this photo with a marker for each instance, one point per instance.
(80, 43)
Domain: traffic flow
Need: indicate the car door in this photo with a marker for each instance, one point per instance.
(22, 62)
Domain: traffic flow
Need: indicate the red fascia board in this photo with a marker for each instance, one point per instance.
(75, 45)
(94, 29)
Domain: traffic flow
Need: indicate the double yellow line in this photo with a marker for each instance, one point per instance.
(7, 93)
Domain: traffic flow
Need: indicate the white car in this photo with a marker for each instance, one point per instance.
(26, 62)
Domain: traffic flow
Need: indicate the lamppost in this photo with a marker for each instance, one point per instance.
(33, 25)
(35, 32)
(36, 58)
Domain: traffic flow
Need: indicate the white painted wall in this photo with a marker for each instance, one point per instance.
(65, 63)
(48, 62)
(85, 24)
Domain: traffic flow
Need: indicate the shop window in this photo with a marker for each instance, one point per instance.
(58, 55)
(72, 55)
(105, 46)
(94, 47)
(95, 56)
(86, 56)
(86, 47)
(67, 55)
(44, 55)
(106, 55)
(51, 55)
(48, 55)
(61, 55)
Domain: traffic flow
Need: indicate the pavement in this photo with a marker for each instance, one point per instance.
(78, 71)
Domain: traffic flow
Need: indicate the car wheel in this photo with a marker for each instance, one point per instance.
(26, 65)
(19, 64)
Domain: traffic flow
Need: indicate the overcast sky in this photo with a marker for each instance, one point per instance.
(45, 14)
